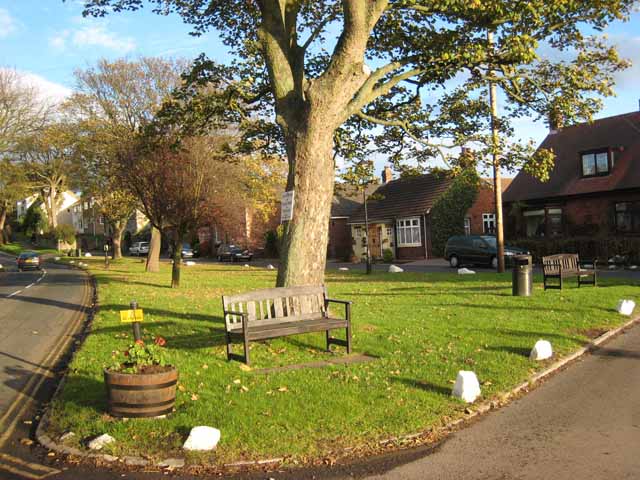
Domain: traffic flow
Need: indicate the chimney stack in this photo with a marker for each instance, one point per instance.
(387, 174)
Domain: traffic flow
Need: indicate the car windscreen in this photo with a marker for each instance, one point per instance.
(28, 255)
(491, 241)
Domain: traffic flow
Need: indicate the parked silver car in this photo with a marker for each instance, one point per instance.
(139, 248)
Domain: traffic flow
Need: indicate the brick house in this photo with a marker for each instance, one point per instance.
(400, 219)
(593, 190)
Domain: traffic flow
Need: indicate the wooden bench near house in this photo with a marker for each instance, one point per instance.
(566, 265)
(279, 312)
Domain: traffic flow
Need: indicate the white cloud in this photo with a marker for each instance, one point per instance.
(629, 48)
(8, 24)
(49, 92)
(92, 36)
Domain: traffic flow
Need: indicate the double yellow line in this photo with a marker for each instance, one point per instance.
(22, 402)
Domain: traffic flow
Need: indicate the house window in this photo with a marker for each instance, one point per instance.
(467, 226)
(628, 217)
(489, 222)
(554, 222)
(390, 233)
(595, 163)
(535, 222)
(409, 232)
(100, 219)
(357, 233)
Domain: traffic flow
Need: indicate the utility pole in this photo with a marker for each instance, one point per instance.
(366, 228)
(497, 180)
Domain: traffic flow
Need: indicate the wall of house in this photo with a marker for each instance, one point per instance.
(589, 215)
(387, 240)
(485, 203)
(415, 253)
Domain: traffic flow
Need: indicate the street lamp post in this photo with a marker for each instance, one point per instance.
(106, 255)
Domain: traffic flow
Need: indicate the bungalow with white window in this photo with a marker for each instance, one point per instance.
(399, 216)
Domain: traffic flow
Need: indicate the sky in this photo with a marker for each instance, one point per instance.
(46, 40)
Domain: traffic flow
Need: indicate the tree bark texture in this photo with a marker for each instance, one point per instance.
(177, 260)
(118, 231)
(3, 219)
(153, 257)
(311, 176)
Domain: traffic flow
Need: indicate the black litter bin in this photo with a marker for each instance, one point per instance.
(522, 275)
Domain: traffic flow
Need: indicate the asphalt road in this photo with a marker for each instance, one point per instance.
(40, 312)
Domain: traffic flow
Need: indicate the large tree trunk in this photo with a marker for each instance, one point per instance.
(51, 205)
(118, 230)
(3, 219)
(153, 258)
(177, 260)
(303, 254)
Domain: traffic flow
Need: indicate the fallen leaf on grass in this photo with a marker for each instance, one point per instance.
(245, 368)
(237, 381)
(205, 366)
(194, 397)
(181, 388)
(283, 389)
(244, 389)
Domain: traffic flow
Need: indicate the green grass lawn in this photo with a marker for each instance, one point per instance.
(423, 327)
(14, 248)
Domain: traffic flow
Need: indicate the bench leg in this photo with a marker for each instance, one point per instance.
(348, 338)
(229, 352)
(246, 350)
(328, 341)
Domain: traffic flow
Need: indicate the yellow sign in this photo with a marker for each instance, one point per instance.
(129, 316)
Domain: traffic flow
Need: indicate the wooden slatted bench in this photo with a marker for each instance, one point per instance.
(279, 312)
(566, 265)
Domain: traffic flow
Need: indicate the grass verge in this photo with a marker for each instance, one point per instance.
(423, 327)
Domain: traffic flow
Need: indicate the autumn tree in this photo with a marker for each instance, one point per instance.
(385, 54)
(113, 103)
(174, 184)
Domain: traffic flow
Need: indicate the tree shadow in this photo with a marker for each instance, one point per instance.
(614, 352)
(49, 302)
(423, 385)
(519, 351)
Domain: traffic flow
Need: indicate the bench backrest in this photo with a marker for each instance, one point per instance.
(275, 305)
(568, 261)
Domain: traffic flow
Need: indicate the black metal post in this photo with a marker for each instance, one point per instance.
(106, 256)
(137, 334)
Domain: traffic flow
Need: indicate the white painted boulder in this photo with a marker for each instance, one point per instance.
(57, 259)
(465, 271)
(99, 442)
(395, 269)
(72, 262)
(246, 265)
(344, 269)
(270, 267)
(189, 263)
(467, 387)
(541, 351)
(88, 255)
(202, 438)
(626, 307)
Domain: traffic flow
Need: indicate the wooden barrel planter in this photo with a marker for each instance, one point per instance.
(136, 395)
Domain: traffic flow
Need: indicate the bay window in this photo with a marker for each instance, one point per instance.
(408, 230)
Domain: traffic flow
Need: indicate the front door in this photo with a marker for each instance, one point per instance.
(375, 233)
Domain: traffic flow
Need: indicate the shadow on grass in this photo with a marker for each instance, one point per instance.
(519, 351)
(422, 385)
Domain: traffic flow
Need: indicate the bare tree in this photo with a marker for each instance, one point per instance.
(21, 111)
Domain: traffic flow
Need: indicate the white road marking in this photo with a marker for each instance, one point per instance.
(44, 274)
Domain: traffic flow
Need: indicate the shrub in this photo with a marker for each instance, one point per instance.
(387, 255)
(65, 233)
(449, 210)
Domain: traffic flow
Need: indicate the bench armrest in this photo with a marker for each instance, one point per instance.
(333, 300)
(347, 307)
(243, 315)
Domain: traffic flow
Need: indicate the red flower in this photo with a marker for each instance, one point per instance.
(126, 353)
(139, 342)
(161, 342)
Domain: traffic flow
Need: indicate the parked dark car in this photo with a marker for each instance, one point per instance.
(477, 250)
(233, 253)
(28, 260)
